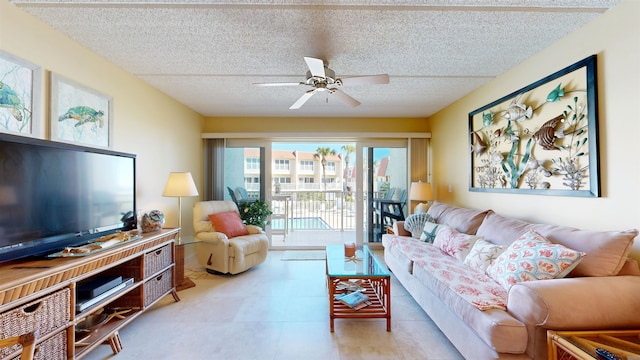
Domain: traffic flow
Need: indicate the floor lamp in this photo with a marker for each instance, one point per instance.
(421, 192)
(178, 185)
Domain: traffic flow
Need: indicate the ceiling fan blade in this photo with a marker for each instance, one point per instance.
(316, 66)
(342, 96)
(364, 80)
(278, 84)
(303, 99)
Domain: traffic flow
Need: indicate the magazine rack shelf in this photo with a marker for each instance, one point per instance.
(41, 295)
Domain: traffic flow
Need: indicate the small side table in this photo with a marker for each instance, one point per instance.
(183, 282)
(566, 345)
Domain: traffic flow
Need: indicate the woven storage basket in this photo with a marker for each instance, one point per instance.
(43, 315)
(54, 348)
(156, 260)
(156, 287)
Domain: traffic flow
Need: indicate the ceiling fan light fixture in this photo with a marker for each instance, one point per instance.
(321, 78)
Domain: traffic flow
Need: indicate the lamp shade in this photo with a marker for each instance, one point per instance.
(180, 184)
(420, 191)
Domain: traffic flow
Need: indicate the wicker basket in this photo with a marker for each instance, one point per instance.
(54, 348)
(158, 286)
(43, 315)
(156, 260)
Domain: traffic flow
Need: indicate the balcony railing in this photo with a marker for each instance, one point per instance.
(315, 210)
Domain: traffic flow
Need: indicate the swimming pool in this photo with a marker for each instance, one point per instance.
(308, 223)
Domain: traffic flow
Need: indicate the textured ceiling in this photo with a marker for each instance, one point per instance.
(207, 53)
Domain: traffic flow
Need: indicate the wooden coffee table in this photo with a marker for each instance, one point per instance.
(369, 273)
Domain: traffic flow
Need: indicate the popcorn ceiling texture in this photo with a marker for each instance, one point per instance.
(206, 54)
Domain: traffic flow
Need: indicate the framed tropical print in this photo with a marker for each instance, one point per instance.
(20, 96)
(79, 114)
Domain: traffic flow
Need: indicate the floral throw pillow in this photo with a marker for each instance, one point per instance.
(430, 230)
(455, 243)
(533, 257)
(415, 223)
(483, 254)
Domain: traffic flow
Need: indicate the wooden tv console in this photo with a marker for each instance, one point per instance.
(40, 295)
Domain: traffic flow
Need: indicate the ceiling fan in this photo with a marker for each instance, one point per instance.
(321, 78)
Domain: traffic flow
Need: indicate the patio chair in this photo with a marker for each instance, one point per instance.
(243, 195)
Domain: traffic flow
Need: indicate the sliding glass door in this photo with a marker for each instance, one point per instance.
(383, 187)
(321, 192)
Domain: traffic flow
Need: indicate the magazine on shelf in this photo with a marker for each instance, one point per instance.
(83, 304)
(355, 300)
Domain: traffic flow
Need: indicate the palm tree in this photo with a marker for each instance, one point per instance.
(322, 153)
(348, 150)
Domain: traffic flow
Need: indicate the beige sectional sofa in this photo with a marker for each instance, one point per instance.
(601, 292)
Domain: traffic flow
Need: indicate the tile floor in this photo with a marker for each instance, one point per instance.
(278, 310)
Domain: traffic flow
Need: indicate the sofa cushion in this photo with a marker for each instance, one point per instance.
(464, 220)
(502, 230)
(483, 254)
(430, 230)
(607, 250)
(415, 223)
(228, 223)
(496, 327)
(532, 257)
(454, 243)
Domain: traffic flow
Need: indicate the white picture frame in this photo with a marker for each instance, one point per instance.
(20, 96)
(80, 115)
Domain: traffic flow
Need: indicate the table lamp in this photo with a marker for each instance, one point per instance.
(420, 192)
(178, 185)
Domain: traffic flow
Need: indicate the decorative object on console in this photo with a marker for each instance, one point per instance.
(541, 139)
(178, 185)
(19, 96)
(152, 221)
(421, 192)
(80, 114)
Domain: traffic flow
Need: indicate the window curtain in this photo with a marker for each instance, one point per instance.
(214, 169)
(419, 160)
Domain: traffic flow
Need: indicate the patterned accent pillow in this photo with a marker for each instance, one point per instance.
(455, 243)
(415, 223)
(483, 254)
(430, 230)
(533, 257)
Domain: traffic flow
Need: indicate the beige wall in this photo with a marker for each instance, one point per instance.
(311, 125)
(159, 130)
(615, 38)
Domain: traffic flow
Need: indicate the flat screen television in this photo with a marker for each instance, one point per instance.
(55, 195)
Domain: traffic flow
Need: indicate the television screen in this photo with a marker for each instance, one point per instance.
(55, 195)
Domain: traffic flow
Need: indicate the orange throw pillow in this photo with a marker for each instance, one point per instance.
(228, 223)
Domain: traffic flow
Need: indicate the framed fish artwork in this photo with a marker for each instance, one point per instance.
(80, 115)
(541, 139)
(20, 96)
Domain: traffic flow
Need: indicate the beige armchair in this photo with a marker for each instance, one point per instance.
(220, 253)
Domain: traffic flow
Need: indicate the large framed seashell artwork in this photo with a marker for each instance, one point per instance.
(79, 114)
(541, 139)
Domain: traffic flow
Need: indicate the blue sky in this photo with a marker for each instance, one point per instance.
(379, 153)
